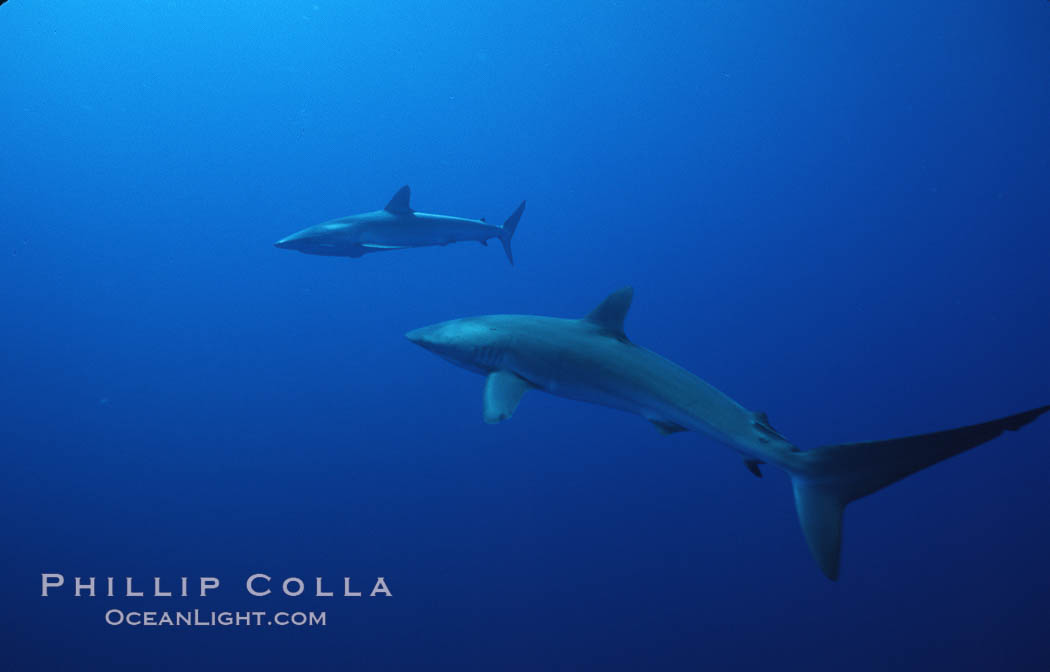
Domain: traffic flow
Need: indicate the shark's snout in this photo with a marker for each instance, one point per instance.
(288, 242)
(300, 240)
(417, 336)
(432, 337)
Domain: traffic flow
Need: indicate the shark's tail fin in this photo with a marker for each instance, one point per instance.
(827, 479)
(508, 230)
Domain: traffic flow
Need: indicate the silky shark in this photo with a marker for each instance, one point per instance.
(396, 227)
(592, 360)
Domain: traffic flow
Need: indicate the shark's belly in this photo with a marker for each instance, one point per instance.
(635, 380)
(602, 396)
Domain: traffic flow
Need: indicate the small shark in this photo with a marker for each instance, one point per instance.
(592, 360)
(396, 227)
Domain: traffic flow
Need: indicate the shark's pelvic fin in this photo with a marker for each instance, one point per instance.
(826, 479)
(610, 313)
(666, 428)
(503, 391)
(399, 203)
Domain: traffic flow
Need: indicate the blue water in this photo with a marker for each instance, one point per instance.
(834, 212)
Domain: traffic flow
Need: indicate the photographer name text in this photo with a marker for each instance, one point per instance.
(256, 585)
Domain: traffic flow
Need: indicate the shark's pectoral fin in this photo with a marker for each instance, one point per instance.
(610, 313)
(399, 203)
(503, 391)
(752, 466)
(666, 428)
(375, 246)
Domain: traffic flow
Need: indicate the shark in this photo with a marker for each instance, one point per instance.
(590, 359)
(396, 227)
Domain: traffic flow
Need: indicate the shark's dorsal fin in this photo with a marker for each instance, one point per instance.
(503, 391)
(399, 203)
(610, 313)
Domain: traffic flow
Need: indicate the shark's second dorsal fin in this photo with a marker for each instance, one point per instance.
(761, 422)
(399, 203)
(610, 313)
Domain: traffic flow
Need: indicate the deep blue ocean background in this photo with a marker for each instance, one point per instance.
(835, 212)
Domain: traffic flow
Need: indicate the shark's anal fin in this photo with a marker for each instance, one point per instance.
(666, 428)
(503, 391)
(610, 313)
(752, 466)
(399, 203)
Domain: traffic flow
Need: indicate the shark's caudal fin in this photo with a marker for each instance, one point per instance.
(507, 231)
(827, 479)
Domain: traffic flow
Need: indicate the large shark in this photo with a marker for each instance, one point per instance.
(396, 227)
(591, 359)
